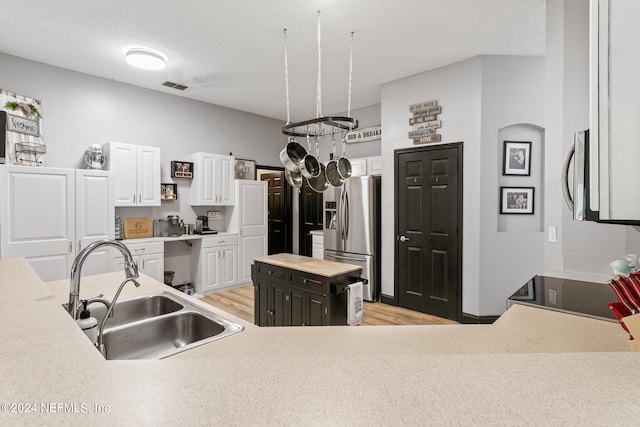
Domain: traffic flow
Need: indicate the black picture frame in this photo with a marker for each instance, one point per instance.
(181, 169)
(516, 158)
(168, 191)
(517, 200)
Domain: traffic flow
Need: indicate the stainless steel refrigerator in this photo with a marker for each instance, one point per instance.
(351, 220)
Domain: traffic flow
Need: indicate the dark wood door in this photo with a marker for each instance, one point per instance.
(428, 229)
(310, 217)
(279, 224)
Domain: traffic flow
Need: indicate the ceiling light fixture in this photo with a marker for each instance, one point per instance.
(145, 58)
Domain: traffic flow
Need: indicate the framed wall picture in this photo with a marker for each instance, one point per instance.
(516, 200)
(517, 158)
(181, 169)
(245, 169)
(168, 191)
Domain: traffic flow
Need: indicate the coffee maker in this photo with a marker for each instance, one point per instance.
(202, 225)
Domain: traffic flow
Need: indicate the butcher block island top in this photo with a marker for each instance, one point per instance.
(319, 267)
(295, 290)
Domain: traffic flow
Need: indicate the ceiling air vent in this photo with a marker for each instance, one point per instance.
(174, 85)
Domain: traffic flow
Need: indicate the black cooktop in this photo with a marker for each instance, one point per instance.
(567, 295)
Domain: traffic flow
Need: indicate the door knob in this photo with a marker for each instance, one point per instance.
(404, 239)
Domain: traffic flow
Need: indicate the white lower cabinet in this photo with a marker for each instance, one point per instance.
(317, 246)
(216, 265)
(149, 256)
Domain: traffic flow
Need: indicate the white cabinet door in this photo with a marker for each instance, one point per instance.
(251, 217)
(317, 247)
(374, 165)
(358, 167)
(121, 158)
(38, 218)
(211, 266)
(152, 265)
(213, 184)
(203, 191)
(614, 128)
(95, 210)
(137, 173)
(148, 176)
(229, 270)
(226, 178)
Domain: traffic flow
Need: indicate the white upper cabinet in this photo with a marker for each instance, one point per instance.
(50, 214)
(615, 105)
(137, 173)
(366, 166)
(213, 180)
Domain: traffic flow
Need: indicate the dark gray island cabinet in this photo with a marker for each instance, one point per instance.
(294, 290)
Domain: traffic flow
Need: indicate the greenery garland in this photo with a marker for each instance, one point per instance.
(15, 105)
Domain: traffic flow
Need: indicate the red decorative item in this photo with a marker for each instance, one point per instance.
(620, 310)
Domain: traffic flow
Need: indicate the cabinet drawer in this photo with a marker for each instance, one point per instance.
(231, 239)
(145, 248)
(272, 272)
(307, 281)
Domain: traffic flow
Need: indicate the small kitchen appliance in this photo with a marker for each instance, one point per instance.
(202, 225)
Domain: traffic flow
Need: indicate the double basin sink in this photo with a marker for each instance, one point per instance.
(158, 325)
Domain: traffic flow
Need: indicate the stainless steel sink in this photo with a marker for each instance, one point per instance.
(170, 324)
(135, 309)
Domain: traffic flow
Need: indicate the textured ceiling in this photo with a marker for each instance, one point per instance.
(231, 52)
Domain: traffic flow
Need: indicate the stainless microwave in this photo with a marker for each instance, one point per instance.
(581, 196)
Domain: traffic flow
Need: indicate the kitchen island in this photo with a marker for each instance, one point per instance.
(531, 367)
(295, 290)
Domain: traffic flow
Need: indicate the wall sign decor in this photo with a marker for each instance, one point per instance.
(21, 141)
(516, 158)
(516, 200)
(424, 122)
(181, 170)
(168, 191)
(363, 135)
(245, 169)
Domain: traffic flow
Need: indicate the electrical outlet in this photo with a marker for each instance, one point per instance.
(553, 297)
(553, 234)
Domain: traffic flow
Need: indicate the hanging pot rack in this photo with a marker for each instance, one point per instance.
(320, 126)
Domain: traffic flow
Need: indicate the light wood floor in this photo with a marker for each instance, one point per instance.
(239, 302)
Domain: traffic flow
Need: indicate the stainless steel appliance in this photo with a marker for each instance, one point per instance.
(202, 225)
(351, 222)
(582, 196)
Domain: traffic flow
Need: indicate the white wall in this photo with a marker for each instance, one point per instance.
(457, 88)
(512, 108)
(79, 110)
(479, 97)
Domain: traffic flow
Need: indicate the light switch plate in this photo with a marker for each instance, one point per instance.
(553, 234)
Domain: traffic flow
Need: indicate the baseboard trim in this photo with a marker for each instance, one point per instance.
(466, 318)
(386, 299)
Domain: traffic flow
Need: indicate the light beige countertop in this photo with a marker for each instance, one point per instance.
(531, 367)
(177, 238)
(316, 266)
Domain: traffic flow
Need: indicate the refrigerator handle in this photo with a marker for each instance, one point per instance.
(346, 215)
(565, 177)
(341, 218)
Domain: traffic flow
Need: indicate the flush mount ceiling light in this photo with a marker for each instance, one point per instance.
(145, 58)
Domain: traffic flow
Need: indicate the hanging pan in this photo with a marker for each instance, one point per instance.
(319, 183)
(310, 166)
(344, 165)
(292, 155)
(331, 171)
(293, 178)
